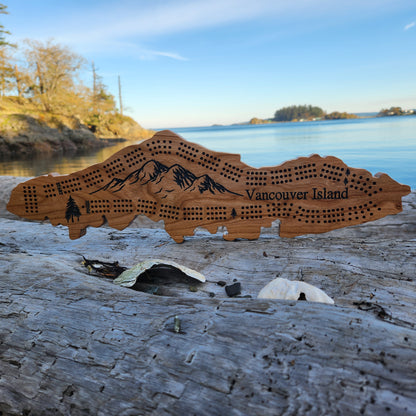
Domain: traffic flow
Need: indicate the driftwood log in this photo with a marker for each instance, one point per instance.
(73, 343)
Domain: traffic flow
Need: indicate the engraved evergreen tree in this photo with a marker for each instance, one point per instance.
(72, 210)
(233, 213)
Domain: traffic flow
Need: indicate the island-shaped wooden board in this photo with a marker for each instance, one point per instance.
(188, 186)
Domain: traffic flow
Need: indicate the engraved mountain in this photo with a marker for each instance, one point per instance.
(162, 180)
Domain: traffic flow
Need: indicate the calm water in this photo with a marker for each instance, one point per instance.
(376, 144)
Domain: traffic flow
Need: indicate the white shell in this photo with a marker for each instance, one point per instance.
(129, 277)
(291, 289)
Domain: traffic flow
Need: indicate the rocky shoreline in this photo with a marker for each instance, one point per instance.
(23, 136)
(73, 342)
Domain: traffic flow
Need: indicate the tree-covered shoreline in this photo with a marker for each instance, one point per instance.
(46, 107)
(395, 111)
(46, 84)
(299, 113)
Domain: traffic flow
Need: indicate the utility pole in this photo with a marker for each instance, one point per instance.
(94, 87)
(119, 95)
(18, 85)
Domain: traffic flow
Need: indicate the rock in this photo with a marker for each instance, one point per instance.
(123, 126)
(22, 136)
(256, 120)
(233, 290)
(75, 343)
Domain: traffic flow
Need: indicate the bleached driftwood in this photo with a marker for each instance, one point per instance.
(74, 343)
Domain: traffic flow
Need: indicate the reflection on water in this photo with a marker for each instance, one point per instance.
(378, 145)
(59, 164)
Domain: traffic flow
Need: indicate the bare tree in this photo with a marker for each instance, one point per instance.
(53, 69)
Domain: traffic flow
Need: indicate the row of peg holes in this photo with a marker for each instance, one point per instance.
(193, 214)
(169, 211)
(249, 212)
(217, 213)
(31, 205)
(134, 157)
(93, 178)
(146, 207)
(231, 172)
(279, 210)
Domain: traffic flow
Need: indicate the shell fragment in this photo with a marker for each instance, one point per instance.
(293, 290)
(129, 277)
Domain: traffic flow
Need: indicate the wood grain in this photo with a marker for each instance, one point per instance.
(75, 344)
(188, 186)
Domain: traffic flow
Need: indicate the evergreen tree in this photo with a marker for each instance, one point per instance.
(72, 210)
(297, 112)
(3, 32)
(7, 72)
(102, 106)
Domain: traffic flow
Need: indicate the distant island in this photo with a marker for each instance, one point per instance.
(299, 113)
(395, 111)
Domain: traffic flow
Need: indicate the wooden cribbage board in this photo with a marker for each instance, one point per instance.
(187, 186)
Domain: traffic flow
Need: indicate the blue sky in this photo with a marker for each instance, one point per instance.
(193, 63)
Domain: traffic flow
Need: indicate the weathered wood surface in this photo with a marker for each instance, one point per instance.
(75, 344)
(186, 185)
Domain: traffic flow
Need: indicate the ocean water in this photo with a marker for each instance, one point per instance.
(385, 145)
(377, 144)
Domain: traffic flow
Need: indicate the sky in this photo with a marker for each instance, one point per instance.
(197, 63)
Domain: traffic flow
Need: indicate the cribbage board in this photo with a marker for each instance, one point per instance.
(188, 186)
